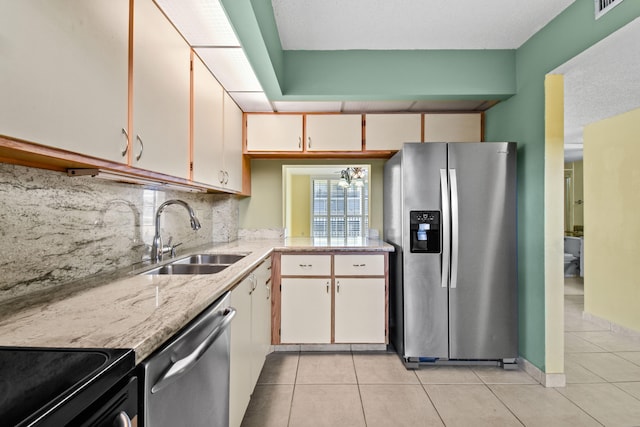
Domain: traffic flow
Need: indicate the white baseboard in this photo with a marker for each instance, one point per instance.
(613, 327)
(547, 380)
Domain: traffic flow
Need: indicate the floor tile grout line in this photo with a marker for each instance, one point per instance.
(504, 404)
(293, 392)
(435, 408)
(623, 390)
(355, 372)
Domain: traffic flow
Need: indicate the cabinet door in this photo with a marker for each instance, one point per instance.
(260, 319)
(208, 141)
(161, 95)
(334, 132)
(232, 144)
(240, 372)
(64, 74)
(390, 131)
(453, 127)
(360, 310)
(305, 311)
(274, 132)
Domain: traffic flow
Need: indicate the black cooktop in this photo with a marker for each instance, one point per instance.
(50, 386)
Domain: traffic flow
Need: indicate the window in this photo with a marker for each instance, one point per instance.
(338, 211)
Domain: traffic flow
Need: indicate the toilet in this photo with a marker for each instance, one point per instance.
(572, 255)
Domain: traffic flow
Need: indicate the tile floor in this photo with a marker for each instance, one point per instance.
(374, 389)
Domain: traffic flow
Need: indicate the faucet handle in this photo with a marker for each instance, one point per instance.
(173, 249)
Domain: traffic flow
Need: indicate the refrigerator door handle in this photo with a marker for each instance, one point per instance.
(446, 226)
(454, 228)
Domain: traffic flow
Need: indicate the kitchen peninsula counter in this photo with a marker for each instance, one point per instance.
(142, 311)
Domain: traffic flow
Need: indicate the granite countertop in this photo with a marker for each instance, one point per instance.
(141, 311)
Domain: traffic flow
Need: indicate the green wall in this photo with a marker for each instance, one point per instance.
(521, 119)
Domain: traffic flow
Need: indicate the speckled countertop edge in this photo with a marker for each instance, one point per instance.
(141, 311)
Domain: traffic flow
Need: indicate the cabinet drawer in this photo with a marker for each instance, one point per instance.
(359, 265)
(305, 265)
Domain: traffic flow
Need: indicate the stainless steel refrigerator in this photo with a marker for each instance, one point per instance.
(450, 213)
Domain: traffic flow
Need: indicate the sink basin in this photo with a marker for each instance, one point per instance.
(187, 269)
(209, 259)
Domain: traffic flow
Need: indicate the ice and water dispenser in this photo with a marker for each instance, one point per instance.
(425, 231)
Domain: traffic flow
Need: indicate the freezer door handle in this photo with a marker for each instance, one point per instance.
(454, 228)
(446, 249)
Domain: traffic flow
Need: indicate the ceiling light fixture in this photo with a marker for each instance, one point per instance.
(352, 176)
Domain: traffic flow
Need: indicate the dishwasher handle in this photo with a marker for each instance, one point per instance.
(183, 365)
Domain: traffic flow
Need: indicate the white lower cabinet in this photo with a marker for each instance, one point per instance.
(250, 338)
(260, 320)
(240, 373)
(333, 298)
(359, 310)
(305, 310)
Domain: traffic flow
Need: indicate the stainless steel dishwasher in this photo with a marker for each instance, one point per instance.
(186, 382)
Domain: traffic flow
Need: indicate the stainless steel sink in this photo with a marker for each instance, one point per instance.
(198, 264)
(188, 269)
(210, 259)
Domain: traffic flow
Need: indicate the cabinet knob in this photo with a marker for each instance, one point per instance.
(299, 142)
(308, 142)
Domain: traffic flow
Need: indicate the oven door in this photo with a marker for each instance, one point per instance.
(116, 408)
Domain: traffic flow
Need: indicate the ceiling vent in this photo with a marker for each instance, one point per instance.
(604, 6)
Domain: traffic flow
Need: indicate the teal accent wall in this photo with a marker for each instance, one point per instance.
(521, 119)
(405, 74)
(260, 40)
(365, 75)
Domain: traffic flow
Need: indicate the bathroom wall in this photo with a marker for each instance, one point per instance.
(576, 170)
(612, 247)
(55, 229)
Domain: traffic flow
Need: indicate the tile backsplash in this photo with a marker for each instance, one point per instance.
(55, 229)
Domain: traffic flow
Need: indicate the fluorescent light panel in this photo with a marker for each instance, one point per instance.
(231, 67)
(252, 102)
(201, 22)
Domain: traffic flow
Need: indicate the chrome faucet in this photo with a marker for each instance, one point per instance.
(157, 249)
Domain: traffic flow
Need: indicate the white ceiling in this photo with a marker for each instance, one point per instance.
(601, 82)
(411, 24)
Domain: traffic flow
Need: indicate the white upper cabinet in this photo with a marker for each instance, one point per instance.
(208, 143)
(334, 132)
(390, 131)
(232, 145)
(64, 73)
(453, 127)
(161, 93)
(274, 132)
